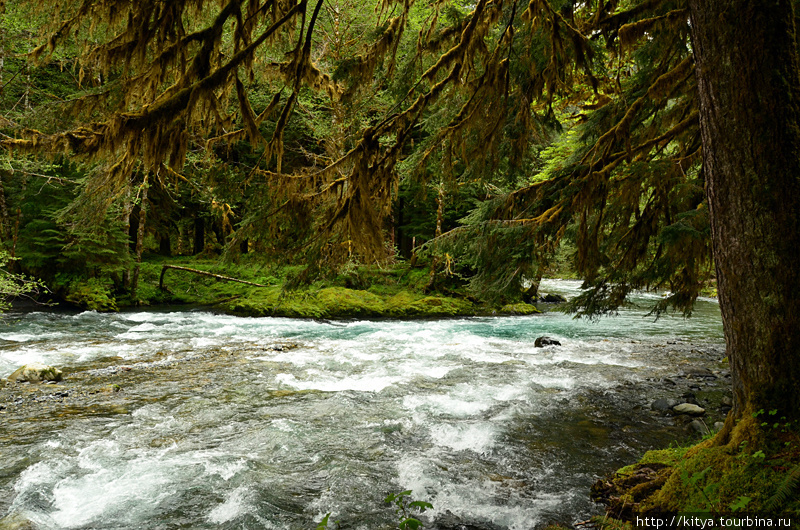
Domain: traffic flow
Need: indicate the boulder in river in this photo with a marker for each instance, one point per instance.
(689, 408)
(35, 373)
(552, 299)
(663, 404)
(541, 342)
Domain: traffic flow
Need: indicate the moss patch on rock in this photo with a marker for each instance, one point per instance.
(355, 292)
(331, 302)
(520, 308)
(762, 476)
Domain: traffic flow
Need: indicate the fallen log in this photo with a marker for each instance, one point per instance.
(203, 273)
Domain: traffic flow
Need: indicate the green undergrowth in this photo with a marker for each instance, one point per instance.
(343, 302)
(353, 292)
(759, 476)
(91, 294)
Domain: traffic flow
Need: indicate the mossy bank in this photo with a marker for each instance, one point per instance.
(355, 292)
(754, 474)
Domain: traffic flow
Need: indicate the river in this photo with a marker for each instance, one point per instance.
(250, 423)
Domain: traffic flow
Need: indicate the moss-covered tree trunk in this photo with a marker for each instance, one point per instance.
(747, 73)
(139, 239)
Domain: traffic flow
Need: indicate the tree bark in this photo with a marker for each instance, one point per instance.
(127, 208)
(139, 239)
(165, 243)
(199, 235)
(202, 273)
(747, 74)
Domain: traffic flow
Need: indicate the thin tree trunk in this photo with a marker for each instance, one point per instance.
(4, 218)
(139, 239)
(747, 74)
(437, 233)
(127, 208)
(202, 273)
(18, 220)
(199, 235)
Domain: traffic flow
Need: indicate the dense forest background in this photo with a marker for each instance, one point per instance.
(487, 141)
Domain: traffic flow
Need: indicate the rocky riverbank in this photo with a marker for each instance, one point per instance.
(113, 386)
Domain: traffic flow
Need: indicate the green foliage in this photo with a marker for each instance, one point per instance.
(91, 294)
(14, 285)
(740, 504)
(785, 491)
(323, 524)
(48, 240)
(405, 508)
(527, 131)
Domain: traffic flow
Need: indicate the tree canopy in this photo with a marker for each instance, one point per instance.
(341, 106)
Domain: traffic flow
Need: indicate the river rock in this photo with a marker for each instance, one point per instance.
(699, 373)
(552, 299)
(16, 521)
(699, 426)
(663, 404)
(541, 342)
(450, 521)
(35, 373)
(689, 408)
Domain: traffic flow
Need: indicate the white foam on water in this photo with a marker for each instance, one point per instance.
(139, 317)
(282, 424)
(146, 326)
(237, 503)
(19, 337)
(521, 513)
(503, 501)
(444, 404)
(439, 404)
(100, 484)
(107, 494)
(225, 470)
(464, 400)
(477, 437)
(329, 384)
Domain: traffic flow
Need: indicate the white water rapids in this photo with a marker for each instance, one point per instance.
(466, 413)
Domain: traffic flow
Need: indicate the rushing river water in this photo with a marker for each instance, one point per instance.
(232, 426)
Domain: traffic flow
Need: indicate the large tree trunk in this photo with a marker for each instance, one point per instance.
(747, 73)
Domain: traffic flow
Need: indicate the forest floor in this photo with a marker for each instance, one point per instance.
(398, 291)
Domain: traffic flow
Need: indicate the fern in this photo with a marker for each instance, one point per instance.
(784, 492)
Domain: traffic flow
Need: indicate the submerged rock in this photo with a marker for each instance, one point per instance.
(689, 408)
(35, 373)
(450, 521)
(541, 342)
(16, 521)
